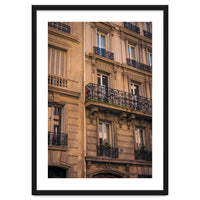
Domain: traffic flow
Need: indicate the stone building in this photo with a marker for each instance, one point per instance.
(100, 99)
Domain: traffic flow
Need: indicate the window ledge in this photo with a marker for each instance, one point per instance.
(57, 148)
(63, 35)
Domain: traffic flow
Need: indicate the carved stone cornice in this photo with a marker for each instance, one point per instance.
(122, 117)
(93, 113)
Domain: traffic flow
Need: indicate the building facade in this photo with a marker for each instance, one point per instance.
(100, 99)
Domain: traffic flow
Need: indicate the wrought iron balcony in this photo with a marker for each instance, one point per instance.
(60, 26)
(104, 53)
(143, 155)
(147, 34)
(107, 151)
(138, 65)
(57, 139)
(117, 97)
(132, 27)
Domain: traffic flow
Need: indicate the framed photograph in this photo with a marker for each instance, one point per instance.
(100, 100)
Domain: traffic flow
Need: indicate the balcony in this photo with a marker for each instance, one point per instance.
(93, 92)
(132, 27)
(57, 139)
(60, 26)
(104, 53)
(147, 34)
(143, 155)
(107, 151)
(140, 66)
(57, 81)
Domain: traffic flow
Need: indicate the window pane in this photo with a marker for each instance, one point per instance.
(97, 39)
(136, 91)
(105, 80)
(137, 138)
(150, 59)
(107, 133)
(141, 137)
(133, 52)
(100, 130)
(98, 79)
(103, 42)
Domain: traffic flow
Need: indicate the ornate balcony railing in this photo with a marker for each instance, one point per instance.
(60, 26)
(58, 81)
(104, 53)
(57, 139)
(132, 27)
(137, 65)
(117, 97)
(143, 155)
(147, 34)
(107, 151)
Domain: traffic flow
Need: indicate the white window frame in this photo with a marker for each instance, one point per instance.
(101, 78)
(148, 24)
(130, 51)
(101, 34)
(104, 134)
(132, 85)
(138, 141)
(148, 57)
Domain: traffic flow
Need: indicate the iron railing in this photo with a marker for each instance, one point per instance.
(107, 151)
(57, 139)
(60, 26)
(132, 27)
(139, 65)
(104, 53)
(147, 34)
(143, 155)
(117, 97)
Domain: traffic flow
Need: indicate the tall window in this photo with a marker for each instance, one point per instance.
(54, 124)
(105, 134)
(148, 26)
(131, 52)
(149, 57)
(140, 138)
(134, 88)
(101, 44)
(102, 84)
(56, 61)
(101, 40)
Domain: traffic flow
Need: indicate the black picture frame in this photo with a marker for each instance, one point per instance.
(36, 8)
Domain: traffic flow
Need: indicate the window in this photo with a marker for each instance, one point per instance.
(56, 61)
(131, 52)
(140, 138)
(105, 134)
(134, 89)
(55, 137)
(105, 145)
(149, 57)
(101, 40)
(148, 26)
(101, 44)
(102, 84)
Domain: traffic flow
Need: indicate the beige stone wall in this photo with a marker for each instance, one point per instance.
(70, 157)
